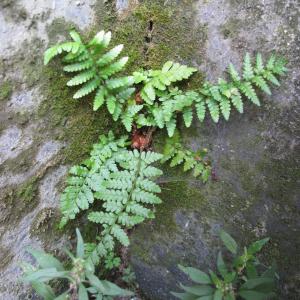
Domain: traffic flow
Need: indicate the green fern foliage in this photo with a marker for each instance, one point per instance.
(85, 179)
(121, 180)
(127, 196)
(155, 81)
(177, 155)
(219, 99)
(95, 67)
(215, 100)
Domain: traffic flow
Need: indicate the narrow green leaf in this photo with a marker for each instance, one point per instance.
(254, 283)
(254, 295)
(184, 296)
(257, 246)
(198, 290)
(43, 290)
(196, 275)
(82, 293)
(45, 260)
(221, 265)
(229, 242)
(80, 245)
(218, 295)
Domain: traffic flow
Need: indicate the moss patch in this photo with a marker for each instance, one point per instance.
(18, 201)
(28, 190)
(154, 32)
(177, 194)
(5, 90)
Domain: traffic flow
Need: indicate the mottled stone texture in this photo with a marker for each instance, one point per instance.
(254, 156)
(255, 160)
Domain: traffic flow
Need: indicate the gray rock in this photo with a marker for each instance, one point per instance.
(255, 158)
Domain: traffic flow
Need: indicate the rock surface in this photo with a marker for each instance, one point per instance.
(255, 156)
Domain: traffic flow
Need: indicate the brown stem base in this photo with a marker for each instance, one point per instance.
(141, 139)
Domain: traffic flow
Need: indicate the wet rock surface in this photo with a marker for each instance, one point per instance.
(255, 156)
(30, 153)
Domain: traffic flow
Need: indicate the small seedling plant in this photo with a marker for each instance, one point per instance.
(83, 284)
(120, 172)
(241, 277)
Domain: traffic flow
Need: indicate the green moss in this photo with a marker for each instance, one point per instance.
(18, 201)
(58, 28)
(71, 121)
(174, 35)
(28, 190)
(21, 163)
(177, 194)
(5, 90)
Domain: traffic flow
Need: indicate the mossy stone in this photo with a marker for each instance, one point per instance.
(5, 90)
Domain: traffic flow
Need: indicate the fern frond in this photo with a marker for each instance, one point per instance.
(233, 73)
(129, 114)
(259, 64)
(271, 77)
(72, 47)
(122, 180)
(80, 66)
(225, 108)
(261, 83)
(95, 67)
(159, 80)
(187, 116)
(248, 90)
(236, 100)
(81, 78)
(200, 110)
(213, 95)
(110, 56)
(171, 126)
(117, 83)
(86, 89)
(214, 109)
(177, 154)
(87, 179)
(99, 98)
(248, 69)
(113, 68)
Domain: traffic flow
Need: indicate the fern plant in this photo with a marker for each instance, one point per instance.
(220, 98)
(156, 81)
(95, 68)
(217, 99)
(83, 283)
(196, 161)
(122, 180)
(158, 101)
(241, 278)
